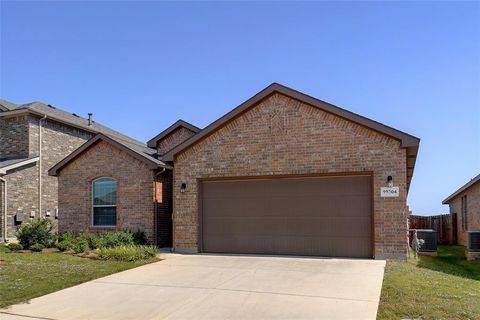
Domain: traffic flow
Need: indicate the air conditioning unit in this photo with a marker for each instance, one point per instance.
(473, 242)
(429, 237)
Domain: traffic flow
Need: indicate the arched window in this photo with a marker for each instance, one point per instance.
(104, 202)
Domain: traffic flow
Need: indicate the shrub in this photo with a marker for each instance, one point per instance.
(65, 241)
(37, 247)
(80, 245)
(140, 238)
(65, 236)
(36, 232)
(128, 253)
(15, 246)
(90, 238)
(65, 245)
(115, 239)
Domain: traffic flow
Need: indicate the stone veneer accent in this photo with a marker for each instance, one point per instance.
(473, 211)
(135, 190)
(172, 140)
(282, 136)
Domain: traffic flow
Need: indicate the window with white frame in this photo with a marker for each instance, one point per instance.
(104, 202)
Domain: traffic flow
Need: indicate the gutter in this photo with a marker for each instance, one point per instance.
(40, 122)
(5, 209)
(4, 170)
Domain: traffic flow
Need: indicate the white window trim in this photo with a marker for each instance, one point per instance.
(93, 206)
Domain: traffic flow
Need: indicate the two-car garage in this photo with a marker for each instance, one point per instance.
(287, 174)
(321, 216)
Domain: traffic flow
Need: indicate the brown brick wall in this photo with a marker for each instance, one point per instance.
(173, 139)
(473, 211)
(22, 195)
(58, 141)
(283, 136)
(135, 192)
(14, 136)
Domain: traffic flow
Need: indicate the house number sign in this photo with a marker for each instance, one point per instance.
(389, 191)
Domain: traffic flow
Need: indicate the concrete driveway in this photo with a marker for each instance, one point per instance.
(220, 287)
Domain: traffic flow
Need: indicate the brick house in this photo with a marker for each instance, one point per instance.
(33, 138)
(464, 207)
(282, 173)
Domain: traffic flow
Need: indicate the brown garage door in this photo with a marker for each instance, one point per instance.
(322, 216)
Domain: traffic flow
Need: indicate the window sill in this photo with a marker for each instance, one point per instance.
(103, 227)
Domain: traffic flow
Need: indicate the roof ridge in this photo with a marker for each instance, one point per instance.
(464, 187)
(67, 117)
(179, 123)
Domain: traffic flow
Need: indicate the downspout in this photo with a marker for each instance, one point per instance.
(5, 209)
(155, 228)
(40, 165)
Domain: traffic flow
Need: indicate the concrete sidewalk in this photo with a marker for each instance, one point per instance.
(220, 287)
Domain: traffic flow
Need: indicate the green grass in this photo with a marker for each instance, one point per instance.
(443, 287)
(24, 276)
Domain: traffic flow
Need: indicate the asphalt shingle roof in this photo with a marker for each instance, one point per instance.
(82, 123)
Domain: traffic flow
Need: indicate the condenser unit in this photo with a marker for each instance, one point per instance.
(473, 241)
(429, 238)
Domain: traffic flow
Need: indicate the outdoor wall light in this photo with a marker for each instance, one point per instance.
(390, 181)
(183, 187)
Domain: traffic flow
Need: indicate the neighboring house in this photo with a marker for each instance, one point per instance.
(33, 138)
(283, 173)
(465, 208)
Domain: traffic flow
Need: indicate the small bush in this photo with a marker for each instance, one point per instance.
(65, 245)
(80, 245)
(65, 236)
(65, 241)
(128, 253)
(15, 246)
(36, 232)
(115, 239)
(140, 238)
(90, 238)
(37, 247)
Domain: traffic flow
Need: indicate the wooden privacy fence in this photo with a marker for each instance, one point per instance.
(441, 223)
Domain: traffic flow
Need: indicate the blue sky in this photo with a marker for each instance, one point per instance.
(139, 66)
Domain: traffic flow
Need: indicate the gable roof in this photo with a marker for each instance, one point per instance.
(71, 119)
(152, 143)
(143, 154)
(463, 188)
(408, 141)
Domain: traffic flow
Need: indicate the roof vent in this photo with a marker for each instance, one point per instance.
(75, 115)
(474, 241)
(90, 120)
(51, 106)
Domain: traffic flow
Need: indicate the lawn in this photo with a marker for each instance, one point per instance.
(24, 276)
(443, 287)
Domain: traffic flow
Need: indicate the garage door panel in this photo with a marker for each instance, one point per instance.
(294, 245)
(328, 216)
(245, 207)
